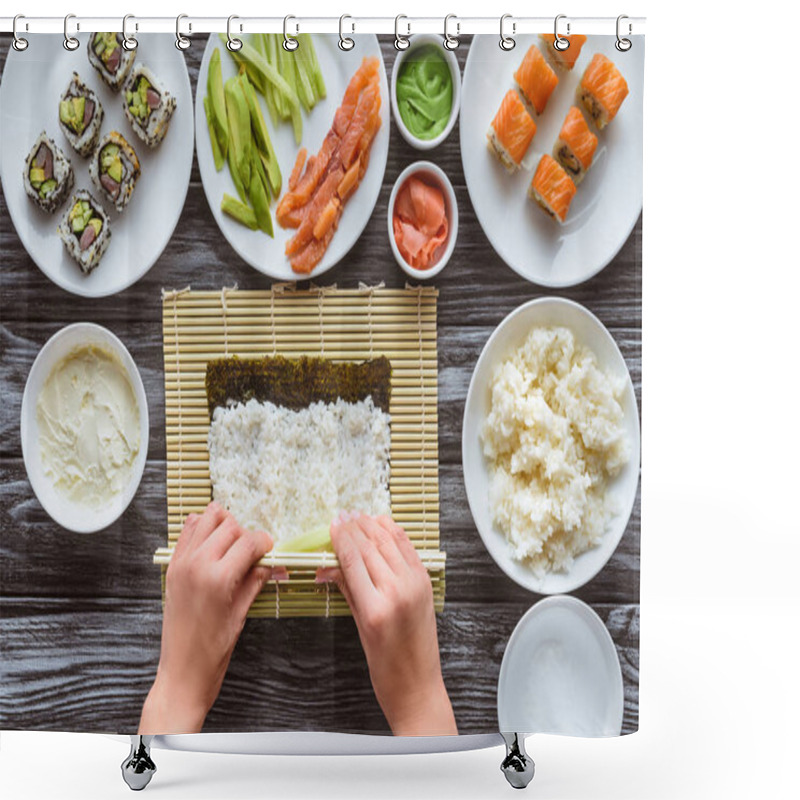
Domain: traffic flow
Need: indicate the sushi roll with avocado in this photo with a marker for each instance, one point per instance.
(48, 175)
(110, 58)
(148, 105)
(114, 169)
(80, 115)
(85, 230)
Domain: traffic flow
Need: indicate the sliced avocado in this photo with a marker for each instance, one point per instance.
(97, 224)
(78, 224)
(47, 187)
(37, 176)
(115, 170)
(65, 113)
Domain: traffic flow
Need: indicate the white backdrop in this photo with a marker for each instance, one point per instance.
(720, 702)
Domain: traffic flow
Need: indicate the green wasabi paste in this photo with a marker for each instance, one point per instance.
(425, 92)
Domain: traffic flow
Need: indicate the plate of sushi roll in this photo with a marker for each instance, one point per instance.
(551, 143)
(95, 172)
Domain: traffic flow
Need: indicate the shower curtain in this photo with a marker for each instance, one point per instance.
(441, 246)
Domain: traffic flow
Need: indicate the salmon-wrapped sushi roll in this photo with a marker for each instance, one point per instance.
(602, 90)
(565, 59)
(575, 146)
(551, 188)
(511, 131)
(536, 79)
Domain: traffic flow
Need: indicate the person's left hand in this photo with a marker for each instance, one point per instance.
(212, 581)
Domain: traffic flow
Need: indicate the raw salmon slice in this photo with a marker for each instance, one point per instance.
(552, 188)
(564, 58)
(536, 79)
(575, 146)
(602, 90)
(511, 131)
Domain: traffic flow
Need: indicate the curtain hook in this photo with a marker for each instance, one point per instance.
(560, 43)
(451, 42)
(345, 42)
(401, 42)
(129, 42)
(290, 43)
(623, 45)
(19, 43)
(181, 41)
(70, 42)
(233, 44)
(507, 42)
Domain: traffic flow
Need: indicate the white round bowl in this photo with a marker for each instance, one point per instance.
(560, 673)
(510, 334)
(75, 516)
(420, 40)
(451, 209)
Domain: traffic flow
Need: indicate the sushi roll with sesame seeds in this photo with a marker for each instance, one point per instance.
(148, 105)
(80, 116)
(114, 169)
(85, 230)
(112, 61)
(48, 175)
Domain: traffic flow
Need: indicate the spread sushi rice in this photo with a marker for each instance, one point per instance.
(291, 472)
(553, 439)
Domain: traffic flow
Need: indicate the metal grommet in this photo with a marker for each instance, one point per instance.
(451, 42)
(507, 42)
(560, 43)
(181, 42)
(233, 44)
(19, 44)
(70, 42)
(345, 42)
(623, 45)
(401, 42)
(290, 44)
(129, 42)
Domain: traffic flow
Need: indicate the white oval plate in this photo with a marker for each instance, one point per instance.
(33, 82)
(74, 516)
(560, 673)
(256, 248)
(510, 334)
(609, 200)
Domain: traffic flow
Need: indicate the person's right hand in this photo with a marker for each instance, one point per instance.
(390, 594)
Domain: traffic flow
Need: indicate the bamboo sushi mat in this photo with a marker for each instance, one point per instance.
(339, 324)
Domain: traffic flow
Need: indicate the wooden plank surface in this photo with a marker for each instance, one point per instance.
(80, 615)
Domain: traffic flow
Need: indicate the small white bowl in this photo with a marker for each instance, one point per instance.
(560, 673)
(510, 334)
(75, 516)
(420, 40)
(437, 176)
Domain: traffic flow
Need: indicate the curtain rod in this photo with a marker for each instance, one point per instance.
(299, 24)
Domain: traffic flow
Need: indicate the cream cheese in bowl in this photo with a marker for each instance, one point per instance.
(88, 422)
(84, 427)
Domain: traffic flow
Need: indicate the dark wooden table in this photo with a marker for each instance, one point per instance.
(80, 616)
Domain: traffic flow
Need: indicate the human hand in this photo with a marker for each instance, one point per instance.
(211, 582)
(390, 594)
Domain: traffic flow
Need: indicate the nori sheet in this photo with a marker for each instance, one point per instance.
(296, 383)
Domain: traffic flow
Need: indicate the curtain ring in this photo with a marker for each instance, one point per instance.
(181, 41)
(623, 45)
(451, 42)
(290, 44)
(507, 42)
(560, 43)
(70, 42)
(345, 42)
(233, 44)
(401, 42)
(19, 43)
(129, 42)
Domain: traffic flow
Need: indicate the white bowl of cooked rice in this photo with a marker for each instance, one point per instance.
(550, 445)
